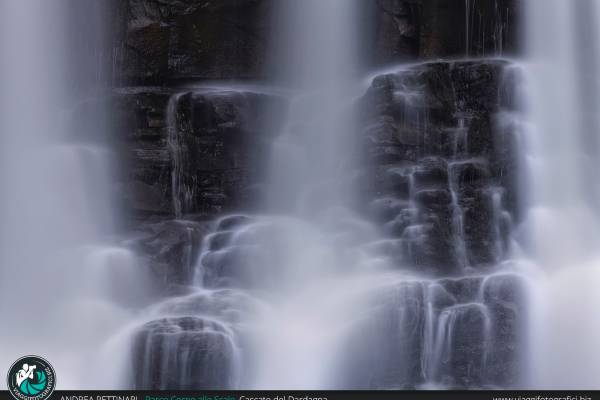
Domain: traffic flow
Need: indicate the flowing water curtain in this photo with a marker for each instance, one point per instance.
(58, 168)
(563, 204)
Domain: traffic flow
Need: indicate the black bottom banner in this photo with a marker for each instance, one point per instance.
(319, 395)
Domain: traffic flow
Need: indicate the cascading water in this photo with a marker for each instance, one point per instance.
(312, 293)
(309, 165)
(562, 226)
(64, 287)
(387, 249)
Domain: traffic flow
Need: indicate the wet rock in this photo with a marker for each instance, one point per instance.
(471, 174)
(184, 353)
(209, 161)
(480, 227)
(430, 245)
(394, 32)
(431, 172)
(157, 41)
(469, 28)
(223, 138)
(393, 180)
(431, 29)
(506, 297)
(462, 362)
(432, 199)
(440, 296)
(449, 333)
(457, 157)
(171, 39)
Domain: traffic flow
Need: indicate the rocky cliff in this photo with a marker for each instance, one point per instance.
(438, 179)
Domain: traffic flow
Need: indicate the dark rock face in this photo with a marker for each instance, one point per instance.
(184, 353)
(191, 154)
(443, 168)
(198, 151)
(163, 40)
(472, 28)
(141, 130)
(192, 38)
(406, 30)
(395, 32)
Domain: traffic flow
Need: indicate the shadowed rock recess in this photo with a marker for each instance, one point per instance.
(438, 177)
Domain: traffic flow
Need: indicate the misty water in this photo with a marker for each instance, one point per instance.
(561, 95)
(311, 291)
(60, 277)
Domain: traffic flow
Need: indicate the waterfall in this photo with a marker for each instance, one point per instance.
(562, 226)
(310, 164)
(434, 228)
(336, 282)
(312, 156)
(64, 286)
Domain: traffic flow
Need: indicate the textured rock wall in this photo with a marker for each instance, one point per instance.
(192, 151)
(404, 30)
(189, 154)
(442, 176)
(163, 40)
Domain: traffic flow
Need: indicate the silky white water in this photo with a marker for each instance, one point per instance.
(310, 303)
(562, 230)
(335, 310)
(64, 288)
(303, 295)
